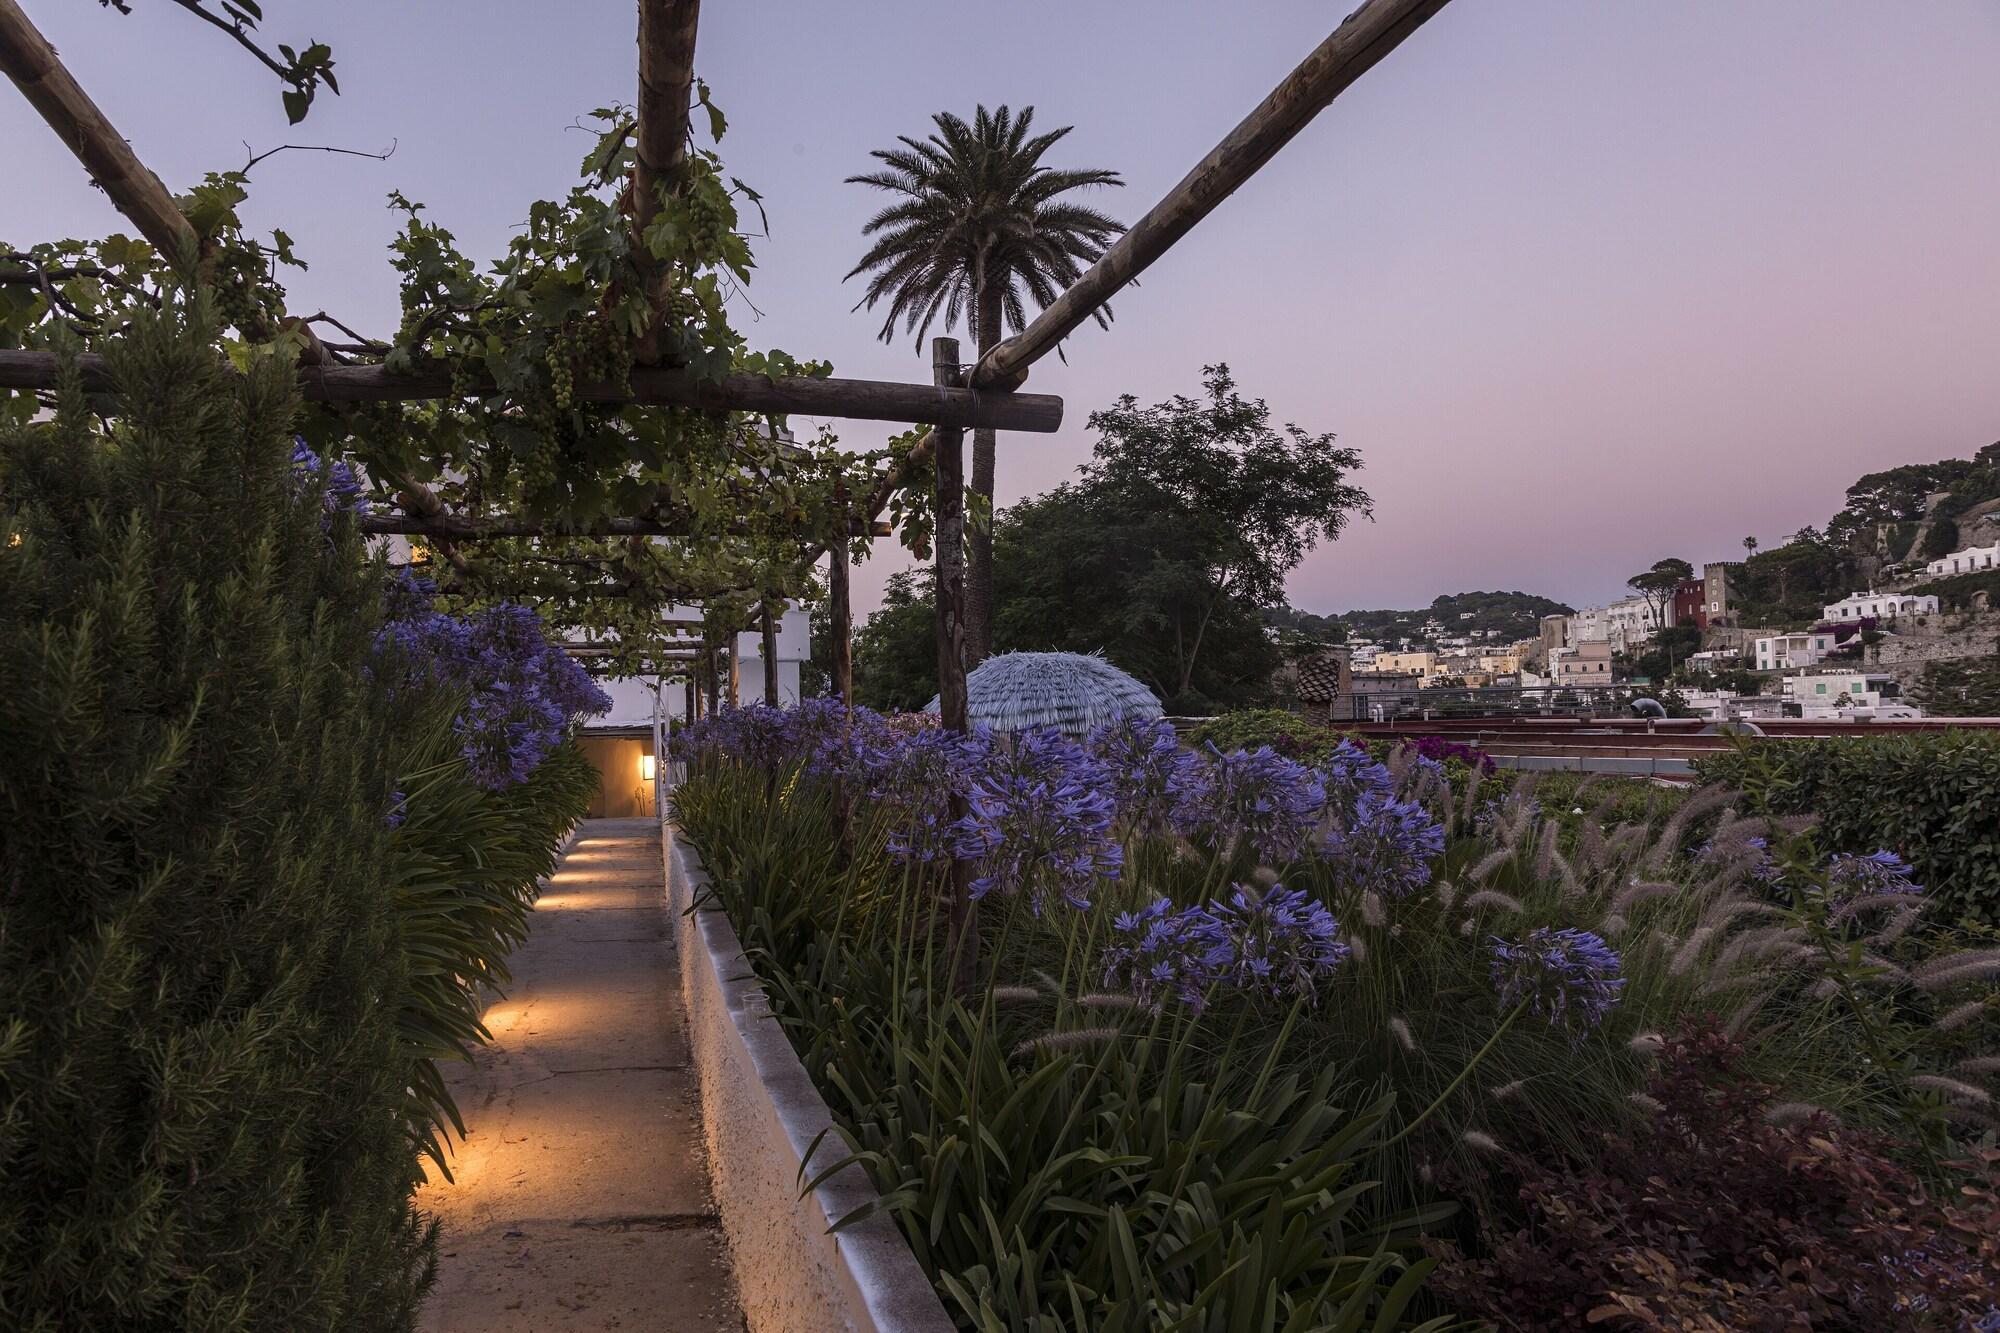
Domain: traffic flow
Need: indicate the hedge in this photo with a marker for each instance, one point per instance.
(1933, 797)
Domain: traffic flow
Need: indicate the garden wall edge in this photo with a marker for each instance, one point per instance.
(761, 1115)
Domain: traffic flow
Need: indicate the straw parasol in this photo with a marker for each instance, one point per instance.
(1072, 692)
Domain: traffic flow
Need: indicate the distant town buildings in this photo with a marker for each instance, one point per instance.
(1969, 561)
(1779, 652)
(1584, 663)
(1715, 593)
(1873, 605)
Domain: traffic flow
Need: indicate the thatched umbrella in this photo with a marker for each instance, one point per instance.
(1072, 692)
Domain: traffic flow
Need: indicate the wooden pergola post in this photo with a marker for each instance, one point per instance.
(961, 912)
(688, 703)
(735, 671)
(769, 649)
(840, 613)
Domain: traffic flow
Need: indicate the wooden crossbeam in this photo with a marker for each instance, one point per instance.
(652, 386)
(31, 63)
(1363, 38)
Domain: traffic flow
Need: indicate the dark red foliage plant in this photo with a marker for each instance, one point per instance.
(1727, 1214)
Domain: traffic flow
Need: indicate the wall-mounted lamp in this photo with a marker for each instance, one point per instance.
(645, 768)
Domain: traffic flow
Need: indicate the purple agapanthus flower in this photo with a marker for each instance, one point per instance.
(1386, 845)
(1850, 877)
(1259, 799)
(1351, 773)
(917, 775)
(1281, 941)
(343, 488)
(1161, 951)
(1039, 822)
(523, 694)
(1569, 977)
(1153, 778)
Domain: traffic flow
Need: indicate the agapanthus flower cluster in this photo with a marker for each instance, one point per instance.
(1851, 877)
(1387, 845)
(1274, 942)
(1281, 941)
(1257, 799)
(1752, 854)
(917, 774)
(1569, 977)
(1162, 950)
(1039, 821)
(343, 488)
(1351, 773)
(1153, 778)
(523, 693)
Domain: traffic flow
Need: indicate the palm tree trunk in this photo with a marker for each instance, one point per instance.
(979, 544)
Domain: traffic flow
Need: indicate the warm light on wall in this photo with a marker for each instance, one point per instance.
(645, 768)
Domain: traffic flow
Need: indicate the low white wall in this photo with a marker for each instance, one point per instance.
(760, 1115)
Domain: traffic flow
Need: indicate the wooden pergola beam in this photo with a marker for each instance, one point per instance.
(475, 527)
(666, 82)
(652, 386)
(1363, 38)
(31, 63)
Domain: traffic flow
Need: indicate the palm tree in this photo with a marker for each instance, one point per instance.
(981, 228)
(1750, 545)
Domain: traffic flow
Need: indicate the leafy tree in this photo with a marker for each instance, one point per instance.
(1657, 585)
(895, 650)
(980, 227)
(1166, 554)
(1962, 687)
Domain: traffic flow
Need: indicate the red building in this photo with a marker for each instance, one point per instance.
(1688, 608)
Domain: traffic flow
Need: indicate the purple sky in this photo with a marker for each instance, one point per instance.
(1587, 283)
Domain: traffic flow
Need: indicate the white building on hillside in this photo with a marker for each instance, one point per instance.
(1780, 651)
(1971, 560)
(1874, 605)
(1847, 694)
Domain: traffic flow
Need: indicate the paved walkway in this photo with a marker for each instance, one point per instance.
(580, 1200)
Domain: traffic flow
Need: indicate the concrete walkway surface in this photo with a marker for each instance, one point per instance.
(580, 1198)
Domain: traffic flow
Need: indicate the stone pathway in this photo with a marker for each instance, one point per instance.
(580, 1199)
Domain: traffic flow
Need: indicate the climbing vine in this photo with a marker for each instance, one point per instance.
(539, 346)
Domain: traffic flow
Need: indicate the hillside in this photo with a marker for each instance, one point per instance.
(1495, 616)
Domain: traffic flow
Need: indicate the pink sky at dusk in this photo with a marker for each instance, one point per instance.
(1587, 283)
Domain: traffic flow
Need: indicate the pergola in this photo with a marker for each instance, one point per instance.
(986, 394)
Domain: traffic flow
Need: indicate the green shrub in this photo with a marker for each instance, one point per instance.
(1287, 733)
(203, 1118)
(1934, 797)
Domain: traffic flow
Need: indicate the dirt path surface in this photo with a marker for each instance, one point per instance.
(580, 1199)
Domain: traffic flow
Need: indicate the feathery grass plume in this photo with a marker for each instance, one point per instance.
(1650, 1105)
(1899, 923)
(1509, 1090)
(1752, 945)
(1725, 912)
(1590, 846)
(1793, 825)
(1952, 1089)
(1103, 999)
(1642, 891)
(1480, 1140)
(1869, 902)
(1075, 1039)
(1373, 910)
(1967, 965)
(1611, 927)
(1960, 1016)
(1403, 1035)
(1445, 894)
(1468, 806)
(1979, 1064)
(1015, 995)
(1826, 989)
(1492, 861)
(1740, 1020)
(1967, 1115)
(1545, 853)
(1467, 926)
(1264, 877)
(1626, 842)
(1691, 951)
(1355, 948)
(1674, 831)
(1647, 1043)
(1572, 887)
(1791, 1113)
(1493, 898)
